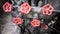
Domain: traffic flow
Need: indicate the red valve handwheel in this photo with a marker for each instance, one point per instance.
(45, 27)
(17, 20)
(47, 9)
(7, 7)
(25, 8)
(35, 23)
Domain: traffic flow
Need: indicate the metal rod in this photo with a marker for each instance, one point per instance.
(32, 3)
(54, 29)
(46, 1)
(56, 10)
